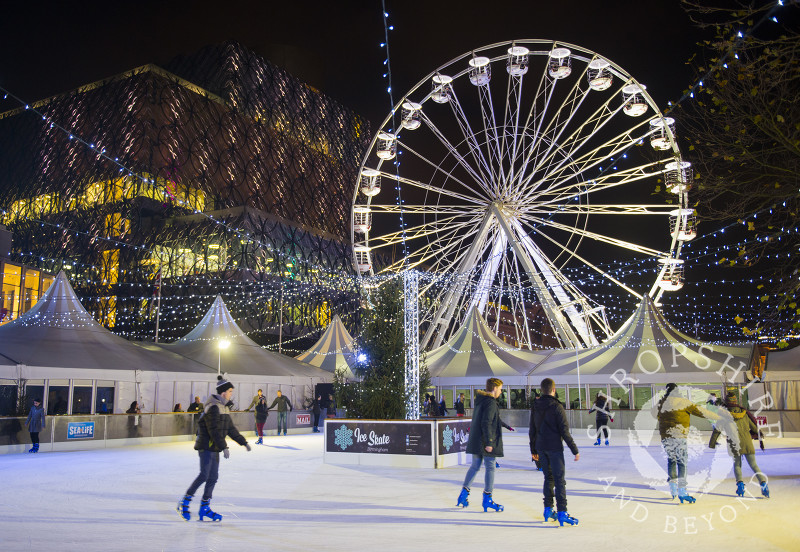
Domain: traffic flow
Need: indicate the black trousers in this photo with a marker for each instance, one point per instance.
(552, 462)
(602, 426)
(34, 437)
(209, 473)
(316, 419)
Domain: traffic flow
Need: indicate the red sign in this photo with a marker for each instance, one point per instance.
(305, 419)
(761, 420)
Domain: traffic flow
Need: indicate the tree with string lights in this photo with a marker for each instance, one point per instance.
(743, 126)
(381, 393)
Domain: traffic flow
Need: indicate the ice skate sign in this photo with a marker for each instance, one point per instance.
(80, 430)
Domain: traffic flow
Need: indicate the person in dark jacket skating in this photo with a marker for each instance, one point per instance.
(35, 423)
(261, 418)
(485, 443)
(212, 428)
(601, 407)
(551, 428)
(459, 405)
(283, 403)
(316, 410)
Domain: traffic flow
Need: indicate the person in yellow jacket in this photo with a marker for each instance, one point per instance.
(674, 420)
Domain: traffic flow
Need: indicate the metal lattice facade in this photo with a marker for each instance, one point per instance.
(237, 180)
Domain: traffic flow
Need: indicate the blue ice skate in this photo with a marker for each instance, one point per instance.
(489, 503)
(564, 517)
(606, 442)
(462, 498)
(765, 490)
(740, 488)
(684, 496)
(549, 514)
(183, 507)
(673, 489)
(597, 443)
(206, 511)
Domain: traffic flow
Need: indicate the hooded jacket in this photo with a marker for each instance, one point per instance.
(745, 428)
(214, 425)
(35, 421)
(551, 428)
(485, 429)
(674, 416)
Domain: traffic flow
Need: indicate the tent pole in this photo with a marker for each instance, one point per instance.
(578, 364)
(158, 301)
(280, 326)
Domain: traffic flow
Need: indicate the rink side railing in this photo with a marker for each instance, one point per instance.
(126, 429)
(86, 432)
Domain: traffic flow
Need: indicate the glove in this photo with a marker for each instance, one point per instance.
(247, 446)
(612, 419)
(511, 429)
(226, 453)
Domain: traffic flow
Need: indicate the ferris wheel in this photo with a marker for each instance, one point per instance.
(509, 168)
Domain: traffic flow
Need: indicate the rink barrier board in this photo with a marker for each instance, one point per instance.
(116, 430)
(119, 430)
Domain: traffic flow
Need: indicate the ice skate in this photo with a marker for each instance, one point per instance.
(206, 511)
(549, 514)
(462, 498)
(684, 496)
(765, 490)
(606, 442)
(564, 517)
(260, 441)
(597, 443)
(740, 488)
(183, 507)
(489, 503)
(673, 489)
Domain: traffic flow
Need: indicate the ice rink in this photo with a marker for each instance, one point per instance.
(281, 496)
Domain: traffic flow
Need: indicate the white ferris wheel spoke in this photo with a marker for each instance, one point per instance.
(599, 237)
(432, 188)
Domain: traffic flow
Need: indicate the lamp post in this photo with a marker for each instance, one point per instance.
(221, 344)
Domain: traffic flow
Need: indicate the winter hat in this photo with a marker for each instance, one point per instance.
(223, 385)
(731, 397)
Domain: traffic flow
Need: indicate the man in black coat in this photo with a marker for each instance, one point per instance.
(459, 405)
(213, 426)
(485, 443)
(550, 428)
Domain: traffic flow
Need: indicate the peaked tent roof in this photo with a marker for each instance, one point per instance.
(648, 348)
(476, 352)
(333, 351)
(58, 333)
(243, 355)
(783, 365)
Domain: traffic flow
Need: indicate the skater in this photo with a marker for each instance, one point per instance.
(178, 408)
(213, 426)
(551, 428)
(316, 409)
(134, 421)
(255, 400)
(600, 406)
(35, 423)
(674, 420)
(196, 406)
(459, 406)
(485, 443)
(740, 443)
(532, 431)
(282, 403)
(261, 418)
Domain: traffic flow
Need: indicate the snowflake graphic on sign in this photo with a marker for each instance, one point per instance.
(344, 437)
(447, 438)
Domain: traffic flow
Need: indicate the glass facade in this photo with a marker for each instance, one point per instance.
(104, 400)
(81, 399)
(57, 400)
(21, 288)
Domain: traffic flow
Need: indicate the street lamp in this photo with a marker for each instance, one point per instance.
(221, 344)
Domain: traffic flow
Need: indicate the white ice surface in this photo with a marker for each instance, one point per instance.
(282, 497)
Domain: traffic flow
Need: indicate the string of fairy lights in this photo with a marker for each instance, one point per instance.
(687, 315)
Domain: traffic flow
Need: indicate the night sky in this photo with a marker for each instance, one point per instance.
(53, 47)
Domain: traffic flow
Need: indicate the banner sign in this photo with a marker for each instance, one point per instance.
(379, 438)
(452, 436)
(303, 419)
(761, 420)
(80, 430)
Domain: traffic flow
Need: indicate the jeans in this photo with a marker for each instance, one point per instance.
(555, 485)
(490, 462)
(677, 457)
(282, 422)
(209, 473)
(751, 460)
